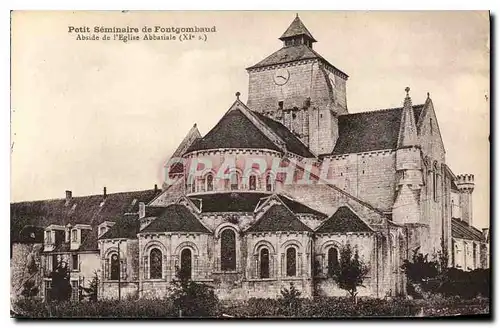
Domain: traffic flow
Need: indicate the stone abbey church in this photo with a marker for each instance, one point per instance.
(388, 192)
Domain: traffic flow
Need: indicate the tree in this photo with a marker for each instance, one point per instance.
(91, 291)
(192, 299)
(351, 271)
(420, 269)
(290, 301)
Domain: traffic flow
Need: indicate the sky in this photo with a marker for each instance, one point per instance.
(89, 114)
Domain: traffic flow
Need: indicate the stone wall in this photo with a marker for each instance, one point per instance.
(469, 255)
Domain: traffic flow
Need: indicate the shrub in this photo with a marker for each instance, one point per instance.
(192, 299)
(470, 284)
(146, 308)
(420, 268)
(318, 308)
(289, 301)
(29, 289)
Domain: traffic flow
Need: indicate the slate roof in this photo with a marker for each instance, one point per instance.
(343, 220)
(293, 144)
(245, 202)
(176, 218)
(460, 229)
(31, 234)
(299, 208)
(297, 28)
(83, 210)
(234, 130)
(293, 53)
(278, 218)
(229, 201)
(125, 227)
(370, 131)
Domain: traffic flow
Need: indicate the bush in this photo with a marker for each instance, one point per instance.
(470, 284)
(320, 308)
(289, 301)
(151, 308)
(430, 277)
(192, 299)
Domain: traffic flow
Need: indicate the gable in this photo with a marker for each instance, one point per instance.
(170, 193)
(278, 218)
(343, 220)
(430, 137)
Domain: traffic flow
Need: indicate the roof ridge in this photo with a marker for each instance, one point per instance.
(379, 110)
(77, 197)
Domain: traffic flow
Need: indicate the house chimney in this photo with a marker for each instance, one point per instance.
(69, 196)
(156, 188)
(104, 195)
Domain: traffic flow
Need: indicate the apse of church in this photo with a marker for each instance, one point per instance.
(273, 192)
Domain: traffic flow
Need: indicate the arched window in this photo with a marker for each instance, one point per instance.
(333, 261)
(115, 267)
(155, 266)
(269, 183)
(186, 263)
(291, 262)
(234, 180)
(210, 182)
(252, 182)
(228, 250)
(264, 263)
(193, 185)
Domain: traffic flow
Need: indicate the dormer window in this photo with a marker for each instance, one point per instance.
(48, 237)
(104, 227)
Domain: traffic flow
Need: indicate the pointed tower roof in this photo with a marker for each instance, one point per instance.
(188, 140)
(407, 128)
(295, 29)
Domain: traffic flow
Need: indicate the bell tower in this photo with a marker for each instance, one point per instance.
(299, 88)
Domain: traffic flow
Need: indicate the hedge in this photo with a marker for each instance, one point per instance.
(331, 307)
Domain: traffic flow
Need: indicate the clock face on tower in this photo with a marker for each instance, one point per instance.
(281, 76)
